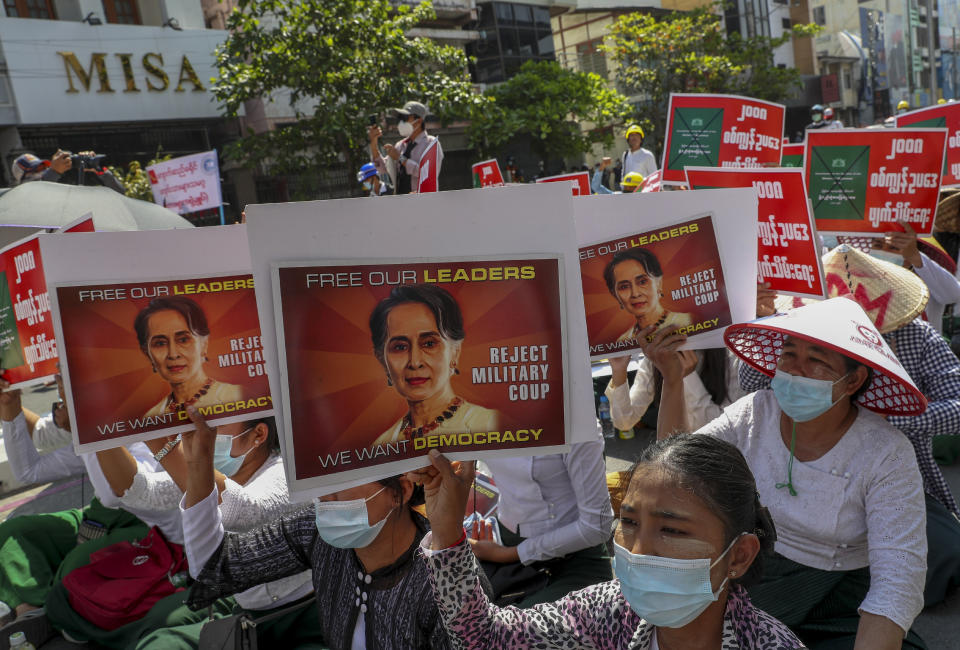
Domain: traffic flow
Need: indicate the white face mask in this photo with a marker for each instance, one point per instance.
(405, 128)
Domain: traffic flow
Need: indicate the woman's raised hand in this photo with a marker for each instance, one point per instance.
(198, 445)
(446, 488)
(10, 406)
(663, 352)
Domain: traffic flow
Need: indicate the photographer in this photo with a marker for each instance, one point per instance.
(402, 162)
(88, 165)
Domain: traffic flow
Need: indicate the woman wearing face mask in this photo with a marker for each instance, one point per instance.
(371, 584)
(688, 540)
(842, 484)
(246, 467)
(634, 278)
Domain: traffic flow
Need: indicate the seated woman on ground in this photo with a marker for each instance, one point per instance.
(690, 531)
(361, 543)
(842, 484)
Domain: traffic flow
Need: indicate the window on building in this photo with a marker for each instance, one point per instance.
(591, 59)
(121, 11)
(820, 15)
(29, 8)
(786, 23)
(510, 35)
(847, 80)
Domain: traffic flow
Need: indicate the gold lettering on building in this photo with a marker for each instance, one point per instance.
(128, 73)
(72, 65)
(187, 73)
(155, 70)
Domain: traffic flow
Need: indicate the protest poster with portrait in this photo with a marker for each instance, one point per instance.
(167, 331)
(666, 259)
(705, 130)
(868, 180)
(466, 335)
(186, 184)
(940, 116)
(788, 255)
(434, 337)
(487, 174)
(791, 155)
(579, 180)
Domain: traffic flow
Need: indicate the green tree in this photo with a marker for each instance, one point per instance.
(135, 180)
(551, 104)
(689, 52)
(334, 63)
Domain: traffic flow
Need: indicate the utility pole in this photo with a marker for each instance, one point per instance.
(931, 41)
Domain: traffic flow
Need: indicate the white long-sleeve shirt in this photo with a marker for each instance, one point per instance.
(559, 502)
(27, 463)
(628, 407)
(47, 436)
(859, 505)
(260, 500)
(944, 289)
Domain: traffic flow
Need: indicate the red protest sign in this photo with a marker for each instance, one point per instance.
(487, 173)
(940, 116)
(651, 183)
(787, 250)
(83, 224)
(720, 131)
(28, 348)
(428, 169)
(867, 180)
(581, 182)
(791, 155)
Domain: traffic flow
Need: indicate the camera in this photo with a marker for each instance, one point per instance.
(81, 161)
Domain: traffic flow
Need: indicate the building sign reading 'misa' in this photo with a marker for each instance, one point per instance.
(108, 73)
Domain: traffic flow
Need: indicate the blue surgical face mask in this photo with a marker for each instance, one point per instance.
(665, 591)
(803, 398)
(345, 524)
(223, 462)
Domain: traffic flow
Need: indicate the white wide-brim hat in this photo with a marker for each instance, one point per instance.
(890, 294)
(838, 324)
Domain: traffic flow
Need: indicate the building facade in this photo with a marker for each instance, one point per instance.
(125, 78)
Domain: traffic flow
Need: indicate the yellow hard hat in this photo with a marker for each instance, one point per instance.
(634, 128)
(633, 179)
(902, 104)
(941, 101)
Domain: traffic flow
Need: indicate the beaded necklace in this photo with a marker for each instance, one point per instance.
(173, 406)
(407, 432)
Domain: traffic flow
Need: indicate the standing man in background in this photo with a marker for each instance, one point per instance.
(637, 159)
(402, 162)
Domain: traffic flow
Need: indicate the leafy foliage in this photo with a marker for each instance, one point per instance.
(690, 53)
(334, 63)
(135, 180)
(550, 104)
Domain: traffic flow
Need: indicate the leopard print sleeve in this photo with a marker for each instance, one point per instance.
(754, 629)
(595, 618)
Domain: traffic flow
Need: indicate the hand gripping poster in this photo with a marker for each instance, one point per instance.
(465, 335)
(164, 332)
(788, 255)
(666, 259)
(867, 180)
(940, 116)
(720, 131)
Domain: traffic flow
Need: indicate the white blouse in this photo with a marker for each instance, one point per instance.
(628, 407)
(860, 504)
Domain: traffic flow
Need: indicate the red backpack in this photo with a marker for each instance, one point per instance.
(124, 580)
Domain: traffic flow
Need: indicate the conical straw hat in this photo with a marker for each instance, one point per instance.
(927, 245)
(838, 324)
(891, 295)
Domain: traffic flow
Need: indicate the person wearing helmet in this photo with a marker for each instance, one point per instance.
(902, 107)
(829, 120)
(370, 179)
(941, 101)
(636, 158)
(816, 117)
(630, 183)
